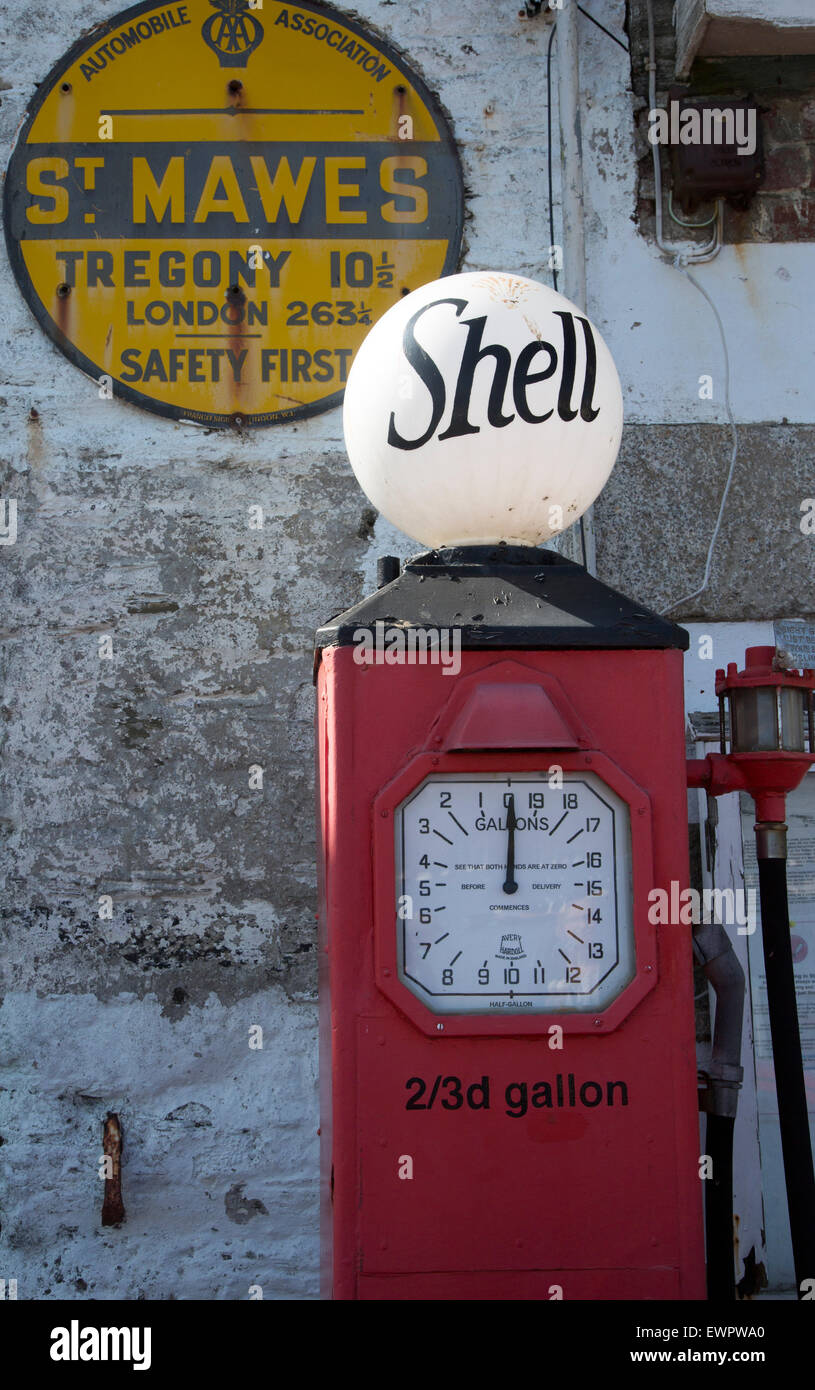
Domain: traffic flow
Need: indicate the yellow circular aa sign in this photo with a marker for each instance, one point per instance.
(211, 202)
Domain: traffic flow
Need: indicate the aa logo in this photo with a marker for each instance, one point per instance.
(232, 32)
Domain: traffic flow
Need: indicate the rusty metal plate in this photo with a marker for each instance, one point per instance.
(209, 204)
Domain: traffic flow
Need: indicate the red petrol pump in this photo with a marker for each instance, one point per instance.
(514, 1077)
(508, 1061)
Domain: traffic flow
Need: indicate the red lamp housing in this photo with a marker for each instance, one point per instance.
(771, 715)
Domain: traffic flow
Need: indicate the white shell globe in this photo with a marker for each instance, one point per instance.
(483, 407)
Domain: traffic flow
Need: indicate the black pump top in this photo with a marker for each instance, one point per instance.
(506, 597)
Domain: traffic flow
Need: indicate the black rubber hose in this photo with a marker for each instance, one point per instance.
(793, 1116)
(721, 1281)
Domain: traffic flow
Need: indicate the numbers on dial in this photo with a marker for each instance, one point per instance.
(520, 893)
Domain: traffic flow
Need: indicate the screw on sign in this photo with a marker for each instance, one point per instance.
(211, 205)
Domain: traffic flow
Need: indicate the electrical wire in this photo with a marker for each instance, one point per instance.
(691, 254)
(688, 252)
(680, 221)
(734, 455)
(683, 256)
(623, 46)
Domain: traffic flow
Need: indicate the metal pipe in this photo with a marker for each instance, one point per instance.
(571, 155)
(572, 209)
(714, 951)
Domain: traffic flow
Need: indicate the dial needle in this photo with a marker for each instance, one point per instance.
(510, 886)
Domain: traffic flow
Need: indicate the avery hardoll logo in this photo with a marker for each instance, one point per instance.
(511, 947)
